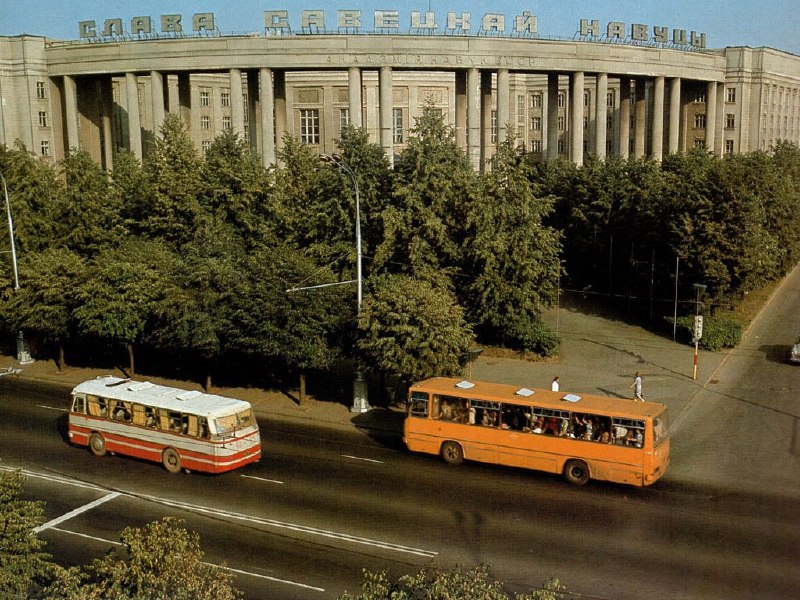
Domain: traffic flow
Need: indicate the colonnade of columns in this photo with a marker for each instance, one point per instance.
(266, 92)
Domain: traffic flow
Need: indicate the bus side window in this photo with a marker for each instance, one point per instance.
(150, 418)
(103, 403)
(418, 404)
(203, 427)
(79, 405)
(138, 416)
(189, 425)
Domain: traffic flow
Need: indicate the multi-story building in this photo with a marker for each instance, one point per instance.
(551, 97)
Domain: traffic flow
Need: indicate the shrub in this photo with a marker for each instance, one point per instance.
(718, 332)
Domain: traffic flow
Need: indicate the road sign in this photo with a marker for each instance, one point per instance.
(698, 327)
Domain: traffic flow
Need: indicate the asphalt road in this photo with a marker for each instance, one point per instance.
(323, 504)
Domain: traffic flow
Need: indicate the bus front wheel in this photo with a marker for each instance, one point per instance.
(576, 472)
(97, 444)
(452, 453)
(171, 460)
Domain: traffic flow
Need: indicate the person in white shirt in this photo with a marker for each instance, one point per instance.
(555, 385)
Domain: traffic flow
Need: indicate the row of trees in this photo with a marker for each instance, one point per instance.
(194, 255)
(630, 227)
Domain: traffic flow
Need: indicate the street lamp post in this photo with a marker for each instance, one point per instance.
(23, 355)
(360, 389)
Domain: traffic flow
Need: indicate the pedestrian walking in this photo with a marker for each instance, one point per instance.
(637, 387)
(555, 385)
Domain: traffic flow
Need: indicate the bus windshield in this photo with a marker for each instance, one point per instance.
(230, 423)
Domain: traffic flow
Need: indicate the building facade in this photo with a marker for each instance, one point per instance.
(568, 98)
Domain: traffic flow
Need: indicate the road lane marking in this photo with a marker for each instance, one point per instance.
(77, 511)
(372, 460)
(231, 569)
(57, 479)
(59, 409)
(241, 517)
(336, 535)
(261, 479)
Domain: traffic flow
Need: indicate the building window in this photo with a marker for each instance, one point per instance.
(536, 145)
(225, 98)
(699, 144)
(40, 90)
(205, 122)
(730, 95)
(562, 100)
(494, 126)
(344, 118)
(700, 98)
(730, 121)
(205, 98)
(586, 98)
(700, 121)
(309, 126)
(399, 126)
(226, 123)
(42, 118)
(520, 109)
(562, 147)
(610, 99)
(585, 123)
(45, 148)
(561, 123)
(609, 122)
(536, 123)
(728, 146)
(206, 145)
(536, 101)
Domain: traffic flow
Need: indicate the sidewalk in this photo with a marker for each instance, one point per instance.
(599, 354)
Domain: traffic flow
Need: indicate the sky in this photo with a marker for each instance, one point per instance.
(773, 23)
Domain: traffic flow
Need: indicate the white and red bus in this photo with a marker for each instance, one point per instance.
(182, 429)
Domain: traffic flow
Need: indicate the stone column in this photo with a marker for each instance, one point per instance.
(640, 118)
(461, 109)
(107, 111)
(552, 116)
(486, 118)
(674, 115)
(71, 106)
(385, 111)
(719, 125)
(253, 122)
(354, 96)
(600, 116)
(658, 119)
(576, 117)
(237, 102)
(279, 91)
(157, 101)
(134, 120)
(266, 98)
(503, 107)
(711, 115)
(624, 118)
(474, 118)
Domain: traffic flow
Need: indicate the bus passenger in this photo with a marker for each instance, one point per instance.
(538, 425)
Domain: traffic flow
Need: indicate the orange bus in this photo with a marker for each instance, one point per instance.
(580, 436)
(182, 429)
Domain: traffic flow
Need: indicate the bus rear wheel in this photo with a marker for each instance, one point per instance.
(171, 460)
(576, 472)
(97, 444)
(452, 453)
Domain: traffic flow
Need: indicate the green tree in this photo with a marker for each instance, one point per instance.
(235, 186)
(160, 561)
(410, 328)
(513, 258)
(424, 222)
(117, 299)
(88, 214)
(46, 299)
(173, 207)
(132, 184)
(24, 566)
(435, 584)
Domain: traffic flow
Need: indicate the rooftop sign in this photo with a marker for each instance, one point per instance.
(276, 22)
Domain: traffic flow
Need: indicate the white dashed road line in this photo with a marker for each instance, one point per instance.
(77, 511)
(372, 460)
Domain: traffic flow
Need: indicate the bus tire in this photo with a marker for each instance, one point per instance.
(576, 472)
(97, 444)
(171, 460)
(452, 453)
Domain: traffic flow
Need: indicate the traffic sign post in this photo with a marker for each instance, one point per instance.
(696, 335)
